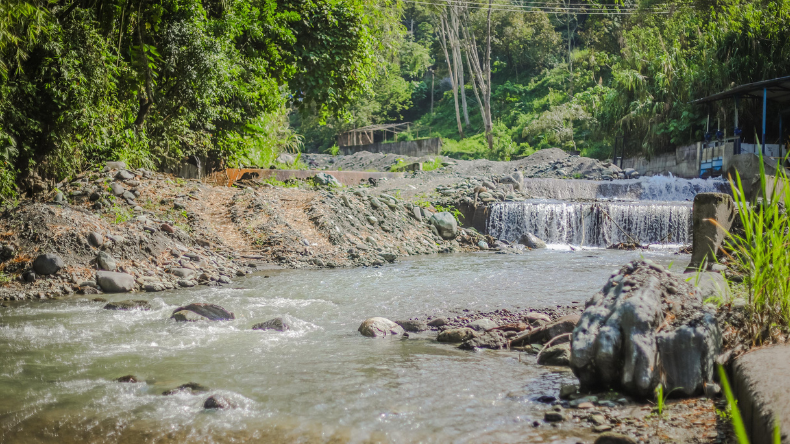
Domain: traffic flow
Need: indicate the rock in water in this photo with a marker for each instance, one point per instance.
(273, 324)
(135, 304)
(201, 311)
(445, 224)
(379, 327)
(559, 355)
(113, 282)
(707, 237)
(128, 378)
(532, 241)
(491, 339)
(218, 402)
(456, 335)
(48, 263)
(643, 317)
(413, 326)
(106, 261)
(190, 387)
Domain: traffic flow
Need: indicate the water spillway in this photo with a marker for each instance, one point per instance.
(593, 224)
(662, 188)
(649, 211)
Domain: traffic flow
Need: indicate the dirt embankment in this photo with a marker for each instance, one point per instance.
(167, 232)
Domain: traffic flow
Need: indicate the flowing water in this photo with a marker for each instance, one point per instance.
(320, 382)
(596, 224)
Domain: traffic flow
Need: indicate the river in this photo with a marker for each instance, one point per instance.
(319, 382)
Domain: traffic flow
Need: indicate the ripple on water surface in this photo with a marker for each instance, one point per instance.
(318, 382)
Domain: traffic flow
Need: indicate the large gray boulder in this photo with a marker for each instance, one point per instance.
(445, 224)
(201, 311)
(707, 236)
(48, 263)
(379, 327)
(644, 325)
(532, 241)
(106, 261)
(327, 179)
(114, 282)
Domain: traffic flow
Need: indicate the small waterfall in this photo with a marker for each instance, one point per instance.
(595, 224)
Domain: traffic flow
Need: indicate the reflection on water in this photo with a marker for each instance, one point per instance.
(319, 382)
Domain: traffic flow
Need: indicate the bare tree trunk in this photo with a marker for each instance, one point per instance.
(488, 124)
(480, 82)
(455, 43)
(445, 33)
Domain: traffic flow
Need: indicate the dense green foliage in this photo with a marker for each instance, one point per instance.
(151, 82)
(632, 75)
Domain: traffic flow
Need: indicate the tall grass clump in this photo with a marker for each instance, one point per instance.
(760, 252)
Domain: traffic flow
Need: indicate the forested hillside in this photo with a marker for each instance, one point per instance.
(153, 82)
(573, 74)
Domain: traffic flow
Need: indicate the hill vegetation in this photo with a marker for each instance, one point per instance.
(154, 82)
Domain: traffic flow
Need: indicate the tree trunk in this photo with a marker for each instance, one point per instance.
(445, 32)
(488, 124)
(455, 43)
(147, 101)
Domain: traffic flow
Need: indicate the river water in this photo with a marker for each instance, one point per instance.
(321, 381)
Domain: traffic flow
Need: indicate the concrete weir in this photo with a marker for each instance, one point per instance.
(231, 175)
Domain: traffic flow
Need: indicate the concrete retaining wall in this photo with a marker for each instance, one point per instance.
(412, 148)
(231, 175)
(759, 381)
(684, 162)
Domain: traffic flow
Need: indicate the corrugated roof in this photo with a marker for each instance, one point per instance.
(778, 91)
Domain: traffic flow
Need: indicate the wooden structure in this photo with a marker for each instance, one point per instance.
(367, 134)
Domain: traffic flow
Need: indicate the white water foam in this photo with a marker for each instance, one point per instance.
(594, 224)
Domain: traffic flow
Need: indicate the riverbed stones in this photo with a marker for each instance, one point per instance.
(47, 263)
(327, 180)
(557, 355)
(707, 236)
(482, 325)
(532, 241)
(554, 416)
(201, 311)
(189, 387)
(218, 402)
(106, 261)
(277, 324)
(494, 340)
(183, 273)
(115, 282)
(117, 189)
(456, 335)
(123, 175)
(438, 322)
(378, 327)
(546, 332)
(95, 239)
(129, 304)
(445, 224)
(534, 316)
(644, 316)
(128, 378)
(614, 438)
(413, 326)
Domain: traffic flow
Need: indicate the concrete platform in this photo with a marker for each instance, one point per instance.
(761, 382)
(231, 175)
